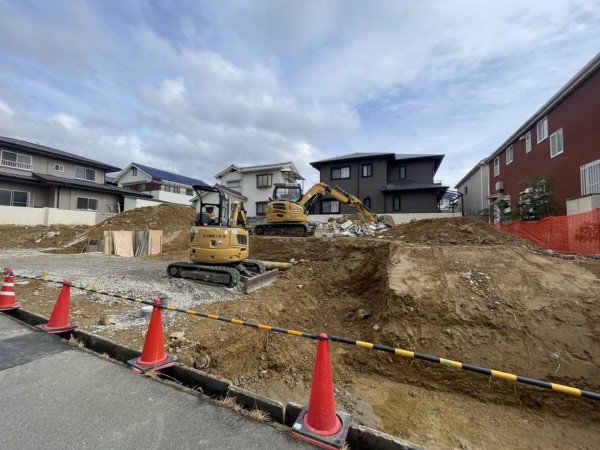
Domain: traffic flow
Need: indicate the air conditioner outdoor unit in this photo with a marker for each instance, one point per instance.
(499, 185)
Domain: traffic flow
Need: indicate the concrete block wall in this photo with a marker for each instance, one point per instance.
(13, 215)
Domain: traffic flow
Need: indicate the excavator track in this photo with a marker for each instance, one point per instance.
(212, 275)
(293, 229)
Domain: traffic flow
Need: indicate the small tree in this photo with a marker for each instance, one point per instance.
(538, 200)
(502, 203)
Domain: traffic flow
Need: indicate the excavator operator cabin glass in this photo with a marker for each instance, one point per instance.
(293, 193)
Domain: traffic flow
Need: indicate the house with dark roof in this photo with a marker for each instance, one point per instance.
(162, 186)
(255, 183)
(36, 176)
(560, 141)
(387, 183)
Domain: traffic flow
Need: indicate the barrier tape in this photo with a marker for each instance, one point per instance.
(368, 345)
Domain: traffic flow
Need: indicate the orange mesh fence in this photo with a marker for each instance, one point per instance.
(579, 233)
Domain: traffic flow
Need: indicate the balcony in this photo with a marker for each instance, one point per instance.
(15, 164)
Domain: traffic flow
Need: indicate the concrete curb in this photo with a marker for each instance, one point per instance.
(359, 437)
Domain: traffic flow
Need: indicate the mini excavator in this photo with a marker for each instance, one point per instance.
(287, 211)
(219, 245)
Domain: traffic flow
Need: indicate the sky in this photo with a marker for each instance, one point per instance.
(192, 86)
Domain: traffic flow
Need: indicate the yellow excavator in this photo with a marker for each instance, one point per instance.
(287, 211)
(219, 245)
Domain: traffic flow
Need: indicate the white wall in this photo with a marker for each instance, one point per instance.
(13, 215)
(172, 197)
(583, 204)
(128, 177)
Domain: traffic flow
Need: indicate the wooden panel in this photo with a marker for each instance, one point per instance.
(108, 243)
(155, 242)
(123, 243)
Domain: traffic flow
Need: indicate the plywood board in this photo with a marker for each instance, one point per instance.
(123, 243)
(108, 245)
(155, 242)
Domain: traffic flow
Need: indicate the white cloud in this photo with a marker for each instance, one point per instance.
(5, 109)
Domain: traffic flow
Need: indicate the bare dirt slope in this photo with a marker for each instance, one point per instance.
(452, 288)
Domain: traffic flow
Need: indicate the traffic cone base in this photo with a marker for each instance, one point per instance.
(153, 355)
(301, 430)
(8, 300)
(138, 367)
(70, 326)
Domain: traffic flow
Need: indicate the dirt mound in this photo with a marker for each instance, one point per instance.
(451, 231)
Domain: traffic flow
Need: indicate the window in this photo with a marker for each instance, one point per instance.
(403, 172)
(234, 184)
(542, 129)
(340, 173)
(330, 207)
(367, 202)
(265, 180)
(528, 142)
(367, 170)
(13, 198)
(15, 160)
(509, 155)
(261, 208)
(496, 166)
(396, 205)
(466, 190)
(556, 143)
(90, 204)
(85, 174)
(59, 168)
(134, 171)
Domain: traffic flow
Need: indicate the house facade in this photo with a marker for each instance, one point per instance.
(387, 183)
(163, 186)
(255, 183)
(475, 187)
(36, 176)
(561, 140)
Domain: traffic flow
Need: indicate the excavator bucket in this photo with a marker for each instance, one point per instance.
(255, 282)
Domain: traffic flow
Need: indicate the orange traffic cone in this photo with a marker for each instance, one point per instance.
(319, 423)
(59, 319)
(153, 355)
(8, 300)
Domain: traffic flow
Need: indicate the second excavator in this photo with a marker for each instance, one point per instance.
(287, 211)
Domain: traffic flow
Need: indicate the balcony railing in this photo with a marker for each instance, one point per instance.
(15, 164)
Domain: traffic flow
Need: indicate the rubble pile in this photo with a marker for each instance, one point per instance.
(349, 227)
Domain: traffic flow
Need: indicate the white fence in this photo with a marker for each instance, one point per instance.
(590, 178)
(14, 215)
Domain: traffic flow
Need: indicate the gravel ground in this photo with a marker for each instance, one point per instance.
(134, 277)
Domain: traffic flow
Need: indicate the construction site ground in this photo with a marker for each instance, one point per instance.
(453, 288)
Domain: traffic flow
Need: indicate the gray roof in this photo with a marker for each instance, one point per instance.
(169, 176)
(391, 156)
(87, 185)
(16, 144)
(250, 169)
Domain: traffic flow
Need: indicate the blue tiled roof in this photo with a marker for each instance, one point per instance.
(168, 176)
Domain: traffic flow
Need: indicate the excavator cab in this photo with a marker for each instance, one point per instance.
(286, 191)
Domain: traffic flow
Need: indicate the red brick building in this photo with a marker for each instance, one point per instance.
(557, 141)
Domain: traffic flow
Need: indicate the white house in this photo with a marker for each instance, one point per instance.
(255, 183)
(164, 186)
(475, 187)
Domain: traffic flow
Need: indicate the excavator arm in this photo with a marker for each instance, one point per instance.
(320, 189)
(237, 216)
